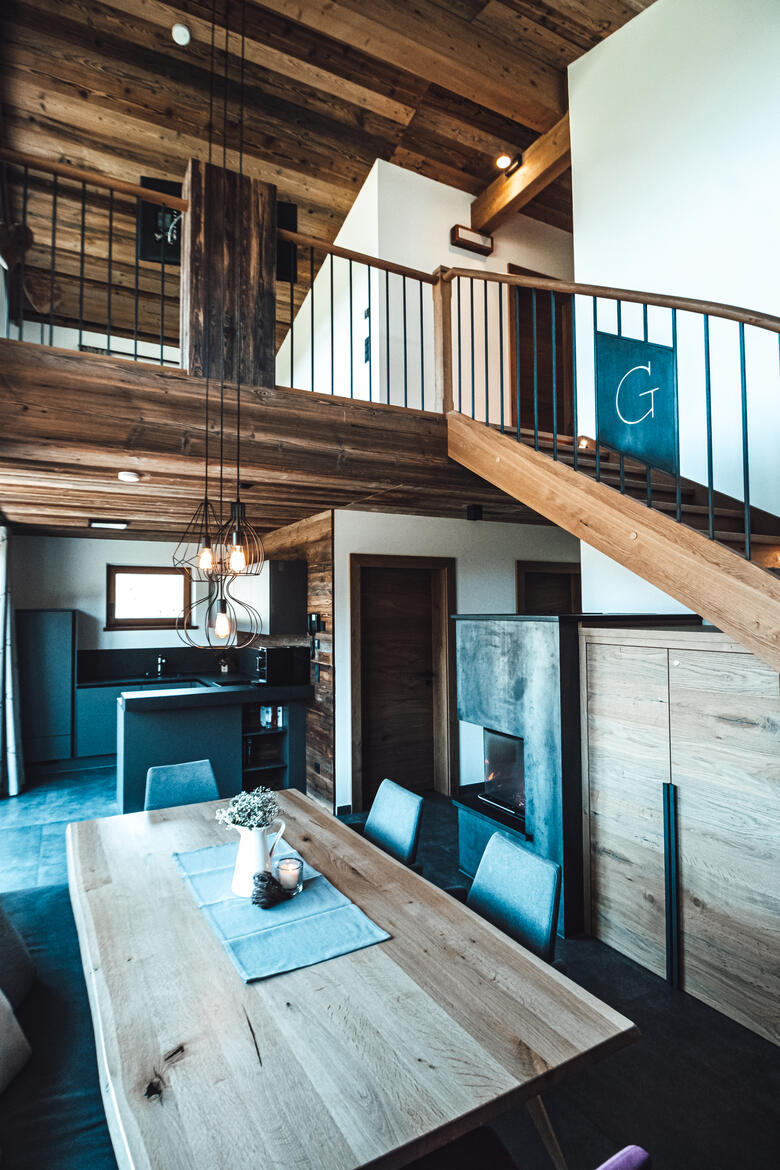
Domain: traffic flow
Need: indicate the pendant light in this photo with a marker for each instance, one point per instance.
(219, 553)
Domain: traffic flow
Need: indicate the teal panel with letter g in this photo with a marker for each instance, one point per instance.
(636, 391)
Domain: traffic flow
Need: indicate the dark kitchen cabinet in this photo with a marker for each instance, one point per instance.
(46, 655)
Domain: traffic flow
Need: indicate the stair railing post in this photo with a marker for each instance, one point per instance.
(442, 341)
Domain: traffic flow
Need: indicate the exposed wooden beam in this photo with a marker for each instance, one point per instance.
(442, 47)
(544, 160)
(735, 595)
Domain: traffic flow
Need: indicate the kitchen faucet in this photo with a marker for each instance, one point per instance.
(160, 665)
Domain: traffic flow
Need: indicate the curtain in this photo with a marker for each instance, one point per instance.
(11, 762)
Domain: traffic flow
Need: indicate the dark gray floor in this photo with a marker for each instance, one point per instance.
(697, 1090)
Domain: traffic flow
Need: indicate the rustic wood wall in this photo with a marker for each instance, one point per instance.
(696, 709)
(312, 540)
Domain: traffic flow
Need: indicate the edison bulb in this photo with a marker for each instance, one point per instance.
(237, 559)
(222, 625)
(206, 559)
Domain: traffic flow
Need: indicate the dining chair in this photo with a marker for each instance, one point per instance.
(519, 892)
(172, 784)
(393, 821)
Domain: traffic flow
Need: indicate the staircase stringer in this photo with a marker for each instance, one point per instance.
(738, 597)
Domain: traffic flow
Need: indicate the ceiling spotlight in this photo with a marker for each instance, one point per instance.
(181, 34)
(503, 161)
(128, 476)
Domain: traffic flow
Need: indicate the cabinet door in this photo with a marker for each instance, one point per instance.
(628, 761)
(45, 654)
(96, 720)
(725, 725)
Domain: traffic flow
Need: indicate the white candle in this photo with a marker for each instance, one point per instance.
(289, 873)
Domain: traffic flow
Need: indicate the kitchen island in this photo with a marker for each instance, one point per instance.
(220, 722)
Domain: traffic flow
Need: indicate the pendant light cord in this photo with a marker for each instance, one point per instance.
(240, 254)
(224, 236)
(207, 345)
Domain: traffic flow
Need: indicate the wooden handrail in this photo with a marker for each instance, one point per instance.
(685, 304)
(94, 178)
(359, 257)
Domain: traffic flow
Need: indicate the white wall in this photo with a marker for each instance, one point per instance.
(485, 583)
(405, 218)
(676, 169)
(64, 572)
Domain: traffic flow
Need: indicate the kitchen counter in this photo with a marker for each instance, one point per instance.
(216, 695)
(145, 680)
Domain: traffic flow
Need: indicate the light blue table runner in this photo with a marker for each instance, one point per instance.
(317, 924)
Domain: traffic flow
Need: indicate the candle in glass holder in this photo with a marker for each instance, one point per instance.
(289, 874)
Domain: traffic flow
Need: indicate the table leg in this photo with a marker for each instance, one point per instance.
(546, 1132)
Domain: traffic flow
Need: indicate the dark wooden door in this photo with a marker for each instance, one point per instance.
(397, 669)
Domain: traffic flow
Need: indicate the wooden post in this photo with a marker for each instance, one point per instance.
(228, 217)
(442, 340)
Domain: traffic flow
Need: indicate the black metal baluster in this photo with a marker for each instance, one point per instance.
(403, 310)
(81, 260)
(22, 269)
(51, 266)
(136, 295)
(648, 473)
(162, 291)
(501, 352)
(619, 318)
(387, 335)
(487, 353)
(311, 314)
(460, 357)
(708, 409)
(471, 311)
(745, 463)
(677, 482)
(351, 338)
(294, 252)
(517, 361)
(575, 428)
(536, 369)
(332, 344)
(596, 384)
(110, 267)
(554, 377)
(370, 339)
(422, 350)
(671, 885)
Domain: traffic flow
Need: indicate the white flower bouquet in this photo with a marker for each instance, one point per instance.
(250, 810)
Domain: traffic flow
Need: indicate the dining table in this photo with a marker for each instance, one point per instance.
(375, 1057)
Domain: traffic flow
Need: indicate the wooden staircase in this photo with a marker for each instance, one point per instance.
(710, 576)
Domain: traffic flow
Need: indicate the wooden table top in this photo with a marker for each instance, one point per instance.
(374, 1057)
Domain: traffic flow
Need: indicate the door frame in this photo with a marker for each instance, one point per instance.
(445, 712)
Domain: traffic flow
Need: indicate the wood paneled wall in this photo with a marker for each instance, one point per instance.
(312, 540)
(698, 710)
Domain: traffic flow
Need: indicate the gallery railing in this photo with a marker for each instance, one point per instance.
(354, 325)
(672, 400)
(91, 262)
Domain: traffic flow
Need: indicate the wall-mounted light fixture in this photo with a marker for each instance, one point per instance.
(472, 241)
(509, 164)
(118, 525)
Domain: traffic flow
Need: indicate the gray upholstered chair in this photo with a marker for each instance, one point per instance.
(393, 821)
(519, 892)
(173, 784)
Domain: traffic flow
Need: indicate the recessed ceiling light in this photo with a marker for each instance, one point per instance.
(181, 34)
(128, 476)
(117, 524)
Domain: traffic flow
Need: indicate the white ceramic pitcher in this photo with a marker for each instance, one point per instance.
(254, 856)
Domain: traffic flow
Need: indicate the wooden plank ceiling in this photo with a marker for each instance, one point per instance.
(440, 87)
(103, 85)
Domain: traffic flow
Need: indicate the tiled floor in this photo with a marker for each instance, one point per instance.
(697, 1090)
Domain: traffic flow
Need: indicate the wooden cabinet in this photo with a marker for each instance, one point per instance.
(45, 652)
(628, 761)
(698, 710)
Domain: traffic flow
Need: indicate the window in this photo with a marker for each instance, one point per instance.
(142, 597)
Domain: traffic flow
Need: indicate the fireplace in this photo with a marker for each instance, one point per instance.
(504, 772)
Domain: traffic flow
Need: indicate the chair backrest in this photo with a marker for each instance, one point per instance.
(172, 784)
(394, 821)
(630, 1158)
(519, 892)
